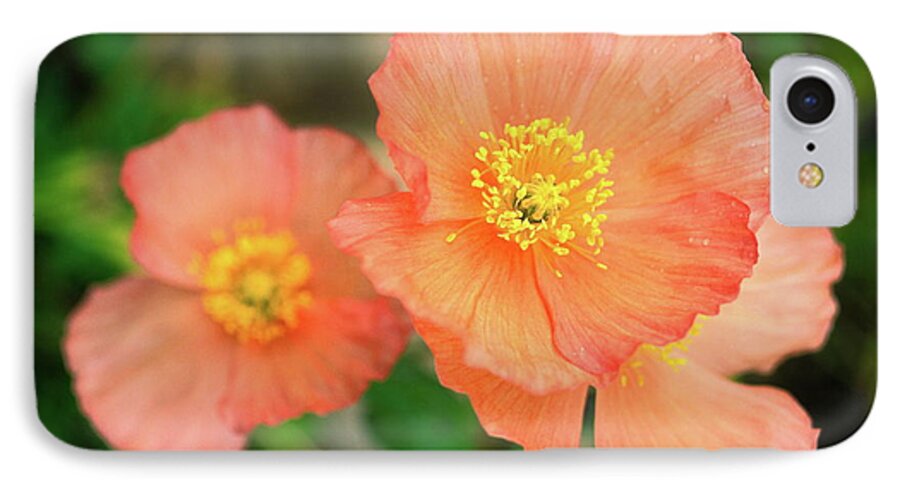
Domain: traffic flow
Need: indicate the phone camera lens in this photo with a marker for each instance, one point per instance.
(810, 100)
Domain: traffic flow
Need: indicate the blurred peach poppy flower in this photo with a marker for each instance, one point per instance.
(247, 314)
(572, 197)
(680, 395)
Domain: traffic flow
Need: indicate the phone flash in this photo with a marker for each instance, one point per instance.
(811, 175)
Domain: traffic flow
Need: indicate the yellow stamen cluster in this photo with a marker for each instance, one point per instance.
(669, 354)
(538, 185)
(254, 285)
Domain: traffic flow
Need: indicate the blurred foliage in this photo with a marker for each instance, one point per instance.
(100, 96)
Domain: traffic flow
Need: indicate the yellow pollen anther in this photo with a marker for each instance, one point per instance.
(538, 186)
(254, 285)
(669, 354)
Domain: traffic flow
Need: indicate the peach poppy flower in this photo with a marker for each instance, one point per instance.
(680, 395)
(247, 314)
(572, 197)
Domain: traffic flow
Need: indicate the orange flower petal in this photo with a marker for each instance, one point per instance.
(666, 264)
(432, 104)
(331, 168)
(504, 409)
(325, 364)
(784, 308)
(684, 114)
(694, 407)
(480, 287)
(150, 368)
(201, 180)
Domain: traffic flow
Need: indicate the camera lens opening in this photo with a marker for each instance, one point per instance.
(810, 100)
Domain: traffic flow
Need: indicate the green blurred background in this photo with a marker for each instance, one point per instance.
(100, 96)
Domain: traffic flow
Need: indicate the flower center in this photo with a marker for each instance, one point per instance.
(539, 186)
(254, 286)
